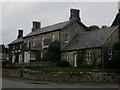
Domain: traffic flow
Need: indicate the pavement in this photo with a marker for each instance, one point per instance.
(21, 83)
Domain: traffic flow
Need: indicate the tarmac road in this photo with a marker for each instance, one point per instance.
(20, 83)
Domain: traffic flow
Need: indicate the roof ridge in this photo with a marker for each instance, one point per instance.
(54, 24)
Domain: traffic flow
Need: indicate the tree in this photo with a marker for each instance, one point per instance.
(53, 53)
(116, 56)
(104, 26)
(93, 27)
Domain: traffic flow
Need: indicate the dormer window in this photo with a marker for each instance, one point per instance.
(52, 37)
(66, 38)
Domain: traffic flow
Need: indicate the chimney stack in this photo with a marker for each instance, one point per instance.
(36, 25)
(20, 33)
(74, 14)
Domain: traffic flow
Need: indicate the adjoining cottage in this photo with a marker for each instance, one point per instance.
(95, 45)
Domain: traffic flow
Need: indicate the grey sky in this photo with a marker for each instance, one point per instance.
(20, 15)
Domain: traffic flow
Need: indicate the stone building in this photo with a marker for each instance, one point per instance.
(74, 38)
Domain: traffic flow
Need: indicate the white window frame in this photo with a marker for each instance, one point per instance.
(109, 54)
(13, 58)
(52, 37)
(28, 43)
(26, 56)
(33, 55)
(13, 47)
(42, 41)
(20, 46)
(66, 38)
(33, 42)
(75, 59)
(20, 57)
(66, 57)
(41, 54)
(88, 55)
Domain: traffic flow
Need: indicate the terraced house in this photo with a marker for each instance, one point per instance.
(74, 38)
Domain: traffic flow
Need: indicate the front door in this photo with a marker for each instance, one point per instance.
(75, 60)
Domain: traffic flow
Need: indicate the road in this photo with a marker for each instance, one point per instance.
(20, 83)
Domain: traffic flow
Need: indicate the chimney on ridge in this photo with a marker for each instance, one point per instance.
(20, 33)
(74, 14)
(36, 25)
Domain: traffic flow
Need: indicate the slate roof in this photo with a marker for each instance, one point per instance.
(51, 28)
(19, 40)
(91, 39)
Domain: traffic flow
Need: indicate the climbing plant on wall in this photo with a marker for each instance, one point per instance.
(80, 58)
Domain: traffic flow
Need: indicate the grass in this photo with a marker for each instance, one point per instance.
(70, 69)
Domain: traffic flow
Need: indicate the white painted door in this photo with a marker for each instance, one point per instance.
(13, 58)
(26, 57)
(75, 60)
(20, 57)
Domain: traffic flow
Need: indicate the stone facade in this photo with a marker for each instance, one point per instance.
(95, 56)
(73, 30)
(38, 48)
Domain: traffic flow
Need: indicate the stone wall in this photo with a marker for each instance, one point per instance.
(83, 77)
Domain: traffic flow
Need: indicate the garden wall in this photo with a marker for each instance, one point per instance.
(87, 77)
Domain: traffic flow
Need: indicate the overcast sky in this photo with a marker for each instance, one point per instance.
(20, 15)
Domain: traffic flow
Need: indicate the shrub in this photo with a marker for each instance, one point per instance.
(5, 62)
(48, 57)
(80, 58)
(53, 53)
(63, 63)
